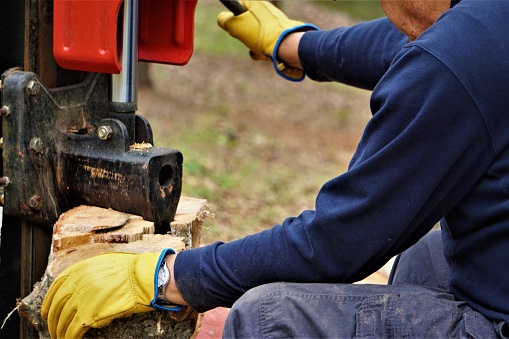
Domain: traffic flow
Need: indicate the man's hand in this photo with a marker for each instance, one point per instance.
(262, 28)
(93, 292)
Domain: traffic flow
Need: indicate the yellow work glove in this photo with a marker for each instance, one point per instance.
(262, 28)
(95, 291)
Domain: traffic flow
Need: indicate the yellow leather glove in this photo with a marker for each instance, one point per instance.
(262, 28)
(95, 291)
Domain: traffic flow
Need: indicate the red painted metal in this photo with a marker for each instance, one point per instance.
(166, 31)
(85, 33)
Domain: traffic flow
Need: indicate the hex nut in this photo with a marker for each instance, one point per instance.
(33, 88)
(35, 202)
(36, 145)
(104, 132)
(5, 111)
(5, 181)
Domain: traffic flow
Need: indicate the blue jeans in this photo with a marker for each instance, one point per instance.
(415, 304)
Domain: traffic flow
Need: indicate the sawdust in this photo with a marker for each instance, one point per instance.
(141, 146)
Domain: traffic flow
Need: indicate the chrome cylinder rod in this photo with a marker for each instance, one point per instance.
(124, 86)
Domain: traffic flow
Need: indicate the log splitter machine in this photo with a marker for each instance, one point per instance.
(68, 120)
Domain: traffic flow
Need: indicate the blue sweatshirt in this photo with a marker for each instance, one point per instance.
(437, 147)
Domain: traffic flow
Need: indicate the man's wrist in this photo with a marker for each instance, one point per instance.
(161, 281)
(172, 293)
(288, 50)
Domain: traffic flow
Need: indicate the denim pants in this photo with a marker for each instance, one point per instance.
(415, 304)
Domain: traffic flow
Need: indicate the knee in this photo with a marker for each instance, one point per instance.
(243, 318)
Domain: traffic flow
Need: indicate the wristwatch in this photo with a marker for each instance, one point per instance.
(161, 280)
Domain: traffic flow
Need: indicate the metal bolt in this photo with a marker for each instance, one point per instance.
(36, 145)
(4, 181)
(35, 202)
(104, 132)
(33, 87)
(5, 111)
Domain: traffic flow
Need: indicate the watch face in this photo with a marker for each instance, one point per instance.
(163, 275)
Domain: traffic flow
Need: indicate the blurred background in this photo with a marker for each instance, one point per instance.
(256, 146)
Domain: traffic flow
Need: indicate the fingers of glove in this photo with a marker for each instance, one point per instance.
(223, 17)
(101, 321)
(55, 317)
(50, 295)
(72, 327)
(258, 57)
(61, 307)
(79, 314)
(94, 311)
(244, 27)
(63, 325)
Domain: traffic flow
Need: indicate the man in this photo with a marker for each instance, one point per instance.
(436, 147)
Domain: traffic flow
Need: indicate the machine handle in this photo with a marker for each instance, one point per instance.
(234, 6)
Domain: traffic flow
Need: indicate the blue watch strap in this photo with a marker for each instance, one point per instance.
(158, 303)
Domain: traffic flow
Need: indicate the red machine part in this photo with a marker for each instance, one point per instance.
(86, 33)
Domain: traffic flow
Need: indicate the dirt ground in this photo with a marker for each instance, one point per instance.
(302, 134)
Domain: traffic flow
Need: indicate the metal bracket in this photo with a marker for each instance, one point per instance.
(63, 148)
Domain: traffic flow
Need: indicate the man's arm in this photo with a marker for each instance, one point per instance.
(406, 174)
(357, 56)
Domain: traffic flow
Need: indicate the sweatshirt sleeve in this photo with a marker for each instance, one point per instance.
(358, 55)
(416, 159)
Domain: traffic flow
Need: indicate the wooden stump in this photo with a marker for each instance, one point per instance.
(87, 231)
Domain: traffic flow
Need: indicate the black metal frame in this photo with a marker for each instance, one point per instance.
(62, 147)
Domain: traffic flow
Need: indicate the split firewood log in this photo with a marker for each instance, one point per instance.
(87, 231)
